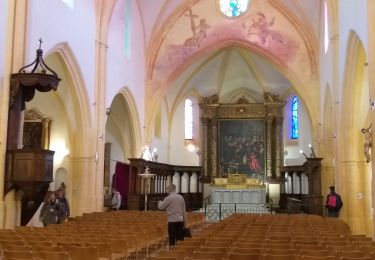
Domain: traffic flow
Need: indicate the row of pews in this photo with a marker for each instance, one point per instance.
(273, 237)
(93, 236)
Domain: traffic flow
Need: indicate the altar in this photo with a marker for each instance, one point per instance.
(251, 196)
(237, 188)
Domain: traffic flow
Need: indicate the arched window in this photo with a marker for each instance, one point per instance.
(233, 8)
(69, 3)
(188, 119)
(128, 28)
(295, 126)
(326, 28)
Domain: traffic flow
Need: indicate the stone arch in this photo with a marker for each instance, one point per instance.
(352, 113)
(79, 92)
(193, 94)
(75, 104)
(123, 128)
(61, 176)
(307, 97)
(134, 117)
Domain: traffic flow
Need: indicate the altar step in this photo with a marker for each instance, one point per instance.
(218, 211)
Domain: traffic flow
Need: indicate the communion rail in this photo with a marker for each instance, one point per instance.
(186, 178)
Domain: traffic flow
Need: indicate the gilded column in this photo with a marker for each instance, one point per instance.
(279, 145)
(204, 147)
(45, 133)
(269, 121)
(213, 147)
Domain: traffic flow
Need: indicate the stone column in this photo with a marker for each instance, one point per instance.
(83, 185)
(269, 121)
(103, 16)
(13, 60)
(371, 73)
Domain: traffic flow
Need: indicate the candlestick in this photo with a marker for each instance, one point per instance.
(302, 152)
(312, 151)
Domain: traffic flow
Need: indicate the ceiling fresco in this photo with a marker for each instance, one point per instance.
(197, 32)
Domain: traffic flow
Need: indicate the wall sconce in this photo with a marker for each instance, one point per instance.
(302, 152)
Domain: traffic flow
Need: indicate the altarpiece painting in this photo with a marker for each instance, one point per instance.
(241, 137)
(242, 147)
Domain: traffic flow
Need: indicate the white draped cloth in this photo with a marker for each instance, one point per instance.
(34, 221)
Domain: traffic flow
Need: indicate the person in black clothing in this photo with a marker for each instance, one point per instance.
(63, 206)
(333, 203)
(49, 211)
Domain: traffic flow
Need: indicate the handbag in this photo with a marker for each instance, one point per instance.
(186, 232)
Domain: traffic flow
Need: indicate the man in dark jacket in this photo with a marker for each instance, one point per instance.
(333, 203)
(63, 206)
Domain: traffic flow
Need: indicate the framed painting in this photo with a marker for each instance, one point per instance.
(242, 147)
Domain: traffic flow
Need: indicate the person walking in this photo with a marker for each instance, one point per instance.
(174, 204)
(333, 203)
(49, 211)
(63, 205)
(116, 199)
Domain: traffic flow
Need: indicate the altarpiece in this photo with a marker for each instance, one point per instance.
(242, 138)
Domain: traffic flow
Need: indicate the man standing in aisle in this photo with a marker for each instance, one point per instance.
(174, 204)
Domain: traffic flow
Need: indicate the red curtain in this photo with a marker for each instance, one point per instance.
(121, 181)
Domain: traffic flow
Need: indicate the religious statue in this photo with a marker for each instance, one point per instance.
(268, 97)
(368, 142)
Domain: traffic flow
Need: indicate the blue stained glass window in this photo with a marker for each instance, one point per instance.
(233, 8)
(295, 127)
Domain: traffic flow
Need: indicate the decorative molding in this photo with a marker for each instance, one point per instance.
(33, 114)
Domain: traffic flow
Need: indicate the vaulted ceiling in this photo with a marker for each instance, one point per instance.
(156, 13)
(233, 70)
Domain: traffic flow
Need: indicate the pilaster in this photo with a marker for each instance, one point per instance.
(371, 75)
(14, 58)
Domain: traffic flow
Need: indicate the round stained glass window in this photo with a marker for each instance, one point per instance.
(233, 8)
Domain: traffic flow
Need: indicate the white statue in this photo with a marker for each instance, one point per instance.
(368, 142)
